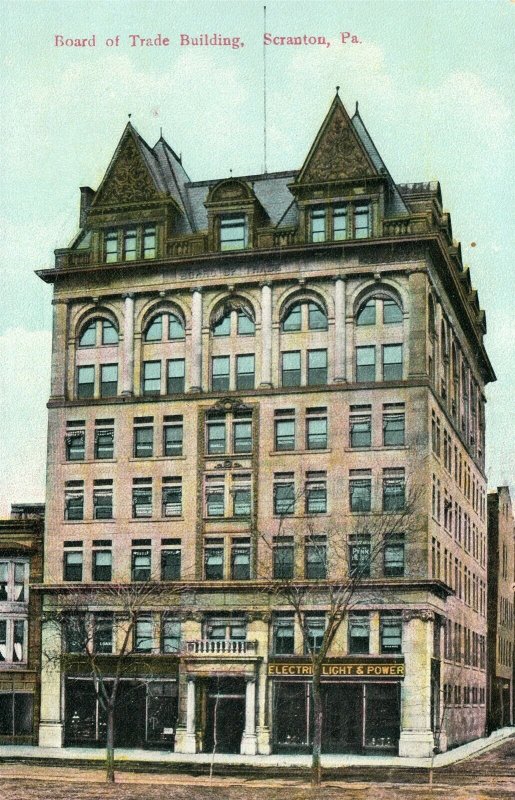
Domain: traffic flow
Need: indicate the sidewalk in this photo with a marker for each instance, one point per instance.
(156, 758)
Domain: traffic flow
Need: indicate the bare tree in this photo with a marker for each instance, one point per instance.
(345, 557)
(97, 628)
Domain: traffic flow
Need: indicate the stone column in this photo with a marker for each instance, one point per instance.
(249, 740)
(196, 341)
(266, 335)
(59, 347)
(339, 330)
(189, 740)
(128, 346)
(51, 727)
(417, 739)
(415, 333)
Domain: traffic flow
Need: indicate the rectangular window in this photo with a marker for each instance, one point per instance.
(172, 436)
(129, 244)
(240, 559)
(283, 635)
(245, 324)
(392, 362)
(290, 368)
(316, 557)
(172, 497)
(108, 380)
(340, 222)
(12, 642)
(142, 498)
(284, 494)
(393, 424)
(390, 633)
(360, 489)
(391, 312)
(176, 373)
(103, 633)
(214, 560)
(362, 226)
(220, 381)
(318, 224)
(75, 440)
(283, 557)
(242, 497)
(72, 570)
(242, 436)
(104, 439)
(74, 500)
(292, 320)
(215, 496)
(151, 377)
(102, 565)
(393, 489)
(13, 581)
(394, 557)
(171, 562)
(85, 382)
(111, 246)
(359, 555)
(143, 438)
(316, 493)
(315, 632)
(16, 712)
(233, 232)
(149, 241)
(359, 633)
(317, 318)
(141, 565)
(317, 367)
(245, 372)
(102, 500)
(171, 636)
(216, 436)
(144, 634)
(365, 363)
(360, 426)
(316, 428)
(284, 421)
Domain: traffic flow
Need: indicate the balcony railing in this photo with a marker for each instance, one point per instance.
(229, 647)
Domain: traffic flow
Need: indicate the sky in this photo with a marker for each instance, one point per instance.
(434, 81)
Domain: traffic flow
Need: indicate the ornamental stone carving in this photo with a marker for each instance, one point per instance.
(129, 180)
(418, 613)
(338, 156)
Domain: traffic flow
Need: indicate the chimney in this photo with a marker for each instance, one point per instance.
(86, 198)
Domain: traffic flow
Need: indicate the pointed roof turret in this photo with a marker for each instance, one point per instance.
(337, 154)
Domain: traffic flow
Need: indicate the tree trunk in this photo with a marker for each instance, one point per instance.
(110, 745)
(316, 768)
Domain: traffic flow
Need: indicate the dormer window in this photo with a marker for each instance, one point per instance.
(130, 244)
(233, 232)
(340, 221)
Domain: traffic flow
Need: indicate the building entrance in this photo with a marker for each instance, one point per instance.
(225, 715)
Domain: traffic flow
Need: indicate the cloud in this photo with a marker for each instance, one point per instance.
(24, 389)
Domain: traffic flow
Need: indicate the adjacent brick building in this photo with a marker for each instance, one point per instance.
(228, 354)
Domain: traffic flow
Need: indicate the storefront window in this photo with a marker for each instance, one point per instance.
(292, 716)
(382, 722)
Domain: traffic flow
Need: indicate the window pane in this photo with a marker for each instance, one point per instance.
(104, 443)
(316, 498)
(149, 241)
(392, 362)
(317, 367)
(242, 439)
(246, 325)
(142, 502)
(108, 380)
(73, 566)
(283, 636)
(102, 565)
(176, 369)
(75, 445)
(141, 565)
(88, 337)
(318, 223)
(317, 318)
(173, 435)
(285, 434)
(144, 640)
(111, 246)
(214, 563)
(316, 433)
(215, 501)
(340, 222)
(102, 504)
(361, 432)
(362, 221)
(220, 374)
(245, 372)
(171, 565)
(154, 332)
(360, 495)
(283, 561)
(359, 633)
(391, 635)
(109, 332)
(291, 369)
(223, 326)
(216, 442)
(143, 442)
(365, 363)
(240, 563)
(394, 559)
(391, 312)
(242, 502)
(393, 429)
(129, 244)
(151, 377)
(292, 320)
(232, 233)
(367, 314)
(172, 501)
(171, 636)
(316, 561)
(175, 327)
(85, 381)
(284, 498)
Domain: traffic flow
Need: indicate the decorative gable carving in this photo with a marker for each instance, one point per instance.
(337, 153)
(128, 179)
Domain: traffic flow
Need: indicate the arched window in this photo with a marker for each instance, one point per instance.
(305, 315)
(98, 331)
(379, 308)
(168, 326)
(233, 317)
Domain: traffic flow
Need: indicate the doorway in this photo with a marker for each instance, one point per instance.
(225, 715)
(343, 718)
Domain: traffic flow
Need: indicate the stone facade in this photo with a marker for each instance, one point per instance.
(228, 355)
